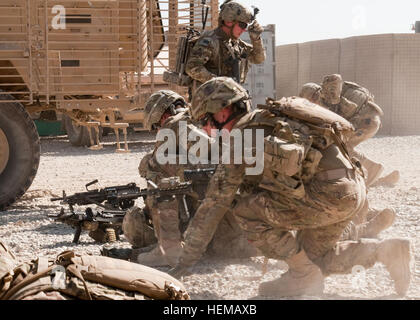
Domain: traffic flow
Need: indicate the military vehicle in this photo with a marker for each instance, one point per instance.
(93, 63)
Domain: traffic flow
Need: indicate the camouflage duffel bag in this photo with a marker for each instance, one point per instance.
(84, 277)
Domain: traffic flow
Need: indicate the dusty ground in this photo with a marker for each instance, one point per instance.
(29, 232)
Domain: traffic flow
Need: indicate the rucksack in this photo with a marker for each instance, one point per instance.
(184, 47)
(87, 277)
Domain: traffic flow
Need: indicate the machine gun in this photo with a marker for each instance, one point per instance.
(106, 225)
(103, 226)
(118, 197)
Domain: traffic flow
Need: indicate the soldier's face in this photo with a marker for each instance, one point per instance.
(234, 28)
(165, 116)
(223, 114)
(221, 117)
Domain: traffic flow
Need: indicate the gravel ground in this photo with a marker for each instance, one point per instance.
(26, 228)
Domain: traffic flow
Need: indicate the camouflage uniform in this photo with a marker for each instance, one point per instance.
(215, 52)
(355, 104)
(319, 209)
(295, 206)
(165, 212)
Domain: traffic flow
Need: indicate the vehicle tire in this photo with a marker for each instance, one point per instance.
(19, 151)
(79, 135)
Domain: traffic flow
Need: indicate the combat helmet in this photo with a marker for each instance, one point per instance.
(332, 85)
(7, 262)
(157, 105)
(234, 11)
(311, 91)
(218, 93)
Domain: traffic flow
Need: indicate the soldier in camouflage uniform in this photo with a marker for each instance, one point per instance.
(355, 104)
(297, 209)
(165, 212)
(164, 109)
(220, 52)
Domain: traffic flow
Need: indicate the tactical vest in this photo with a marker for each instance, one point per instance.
(90, 278)
(301, 131)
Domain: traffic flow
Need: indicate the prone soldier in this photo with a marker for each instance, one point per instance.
(298, 207)
(220, 52)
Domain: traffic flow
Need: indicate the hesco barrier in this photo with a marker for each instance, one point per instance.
(388, 65)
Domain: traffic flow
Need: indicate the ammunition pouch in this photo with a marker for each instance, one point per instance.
(282, 157)
(310, 165)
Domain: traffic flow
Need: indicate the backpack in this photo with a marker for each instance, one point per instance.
(184, 47)
(360, 96)
(292, 152)
(87, 277)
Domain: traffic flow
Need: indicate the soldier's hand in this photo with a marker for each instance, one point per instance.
(255, 30)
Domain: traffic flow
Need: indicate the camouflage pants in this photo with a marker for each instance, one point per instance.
(366, 126)
(165, 219)
(228, 241)
(280, 225)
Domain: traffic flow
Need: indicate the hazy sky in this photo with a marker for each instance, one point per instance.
(308, 20)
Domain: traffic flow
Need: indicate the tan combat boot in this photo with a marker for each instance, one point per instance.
(395, 254)
(389, 180)
(152, 258)
(161, 256)
(374, 171)
(302, 278)
(377, 223)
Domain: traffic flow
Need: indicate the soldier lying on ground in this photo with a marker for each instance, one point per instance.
(355, 104)
(297, 209)
(165, 213)
(82, 277)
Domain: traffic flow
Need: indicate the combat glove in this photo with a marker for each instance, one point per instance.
(255, 30)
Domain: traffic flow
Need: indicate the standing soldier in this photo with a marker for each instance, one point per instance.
(220, 52)
(355, 104)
